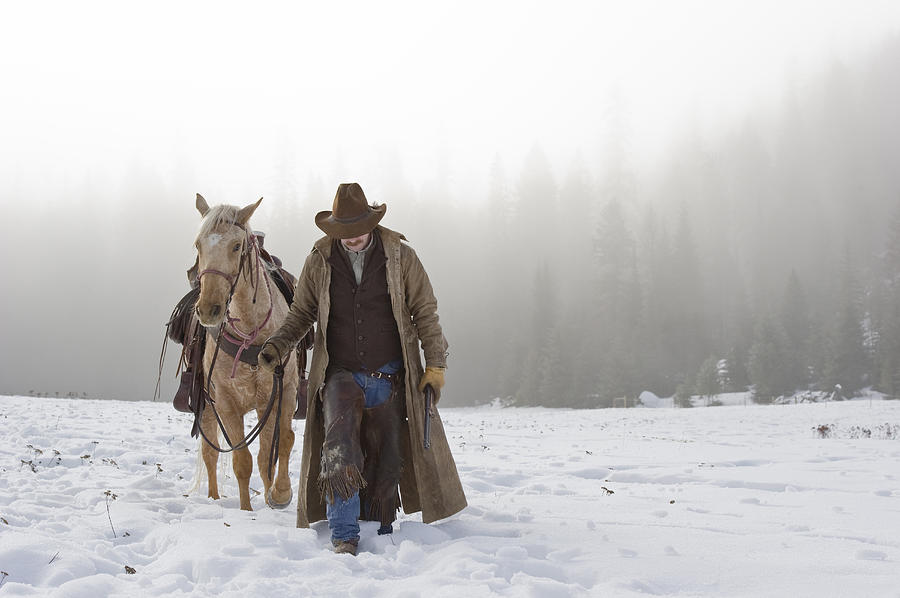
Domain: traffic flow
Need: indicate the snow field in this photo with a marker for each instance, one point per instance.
(725, 501)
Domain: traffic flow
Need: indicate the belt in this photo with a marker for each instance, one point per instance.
(383, 376)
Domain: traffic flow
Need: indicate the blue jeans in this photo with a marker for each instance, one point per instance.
(343, 515)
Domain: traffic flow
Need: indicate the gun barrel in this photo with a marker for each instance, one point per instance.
(429, 400)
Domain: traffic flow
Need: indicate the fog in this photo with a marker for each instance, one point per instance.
(609, 198)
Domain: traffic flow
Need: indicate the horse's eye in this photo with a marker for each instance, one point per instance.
(237, 247)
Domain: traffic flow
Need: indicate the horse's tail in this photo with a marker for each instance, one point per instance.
(199, 469)
(223, 463)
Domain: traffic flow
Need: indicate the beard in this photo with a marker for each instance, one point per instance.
(354, 245)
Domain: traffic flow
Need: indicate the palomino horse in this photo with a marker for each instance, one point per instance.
(240, 307)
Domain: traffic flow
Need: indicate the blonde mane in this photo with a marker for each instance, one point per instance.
(216, 217)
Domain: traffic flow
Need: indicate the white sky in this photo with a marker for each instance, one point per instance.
(231, 89)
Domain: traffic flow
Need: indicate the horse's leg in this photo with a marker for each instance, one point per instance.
(210, 455)
(241, 459)
(265, 448)
(282, 491)
(279, 494)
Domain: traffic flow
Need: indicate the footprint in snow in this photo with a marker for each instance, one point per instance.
(871, 555)
(514, 553)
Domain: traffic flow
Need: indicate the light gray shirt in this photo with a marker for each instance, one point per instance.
(358, 258)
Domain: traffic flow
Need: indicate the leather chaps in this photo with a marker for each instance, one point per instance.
(381, 429)
(361, 451)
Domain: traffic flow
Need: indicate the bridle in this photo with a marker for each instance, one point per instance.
(245, 339)
(250, 255)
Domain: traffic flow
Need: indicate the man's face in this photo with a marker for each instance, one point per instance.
(357, 243)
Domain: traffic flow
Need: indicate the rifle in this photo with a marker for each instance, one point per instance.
(429, 400)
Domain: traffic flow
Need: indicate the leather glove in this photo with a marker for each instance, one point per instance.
(269, 357)
(435, 377)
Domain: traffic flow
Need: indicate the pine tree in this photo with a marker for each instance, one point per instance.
(542, 356)
(502, 276)
(848, 360)
(708, 378)
(684, 332)
(531, 218)
(529, 377)
(887, 354)
(683, 396)
(551, 381)
(795, 322)
(656, 280)
(616, 308)
(740, 340)
(817, 352)
(509, 368)
(767, 365)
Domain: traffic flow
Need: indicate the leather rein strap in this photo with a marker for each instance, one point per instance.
(249, 355)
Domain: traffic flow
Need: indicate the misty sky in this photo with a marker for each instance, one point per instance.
(339, 88)
(119, 111)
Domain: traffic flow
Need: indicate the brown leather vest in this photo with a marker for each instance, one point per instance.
(362, 332)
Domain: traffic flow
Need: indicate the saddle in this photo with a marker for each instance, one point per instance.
(184, 329)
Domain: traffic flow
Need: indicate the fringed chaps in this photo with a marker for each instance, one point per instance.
(342, 456)
(381, 429)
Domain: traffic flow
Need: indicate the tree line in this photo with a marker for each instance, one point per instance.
(764, 258)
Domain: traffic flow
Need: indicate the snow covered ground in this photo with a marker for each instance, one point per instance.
(790, 500)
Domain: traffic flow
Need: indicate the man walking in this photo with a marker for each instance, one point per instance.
(362, 449)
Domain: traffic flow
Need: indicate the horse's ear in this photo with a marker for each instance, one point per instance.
(202, 206)
(243, 215)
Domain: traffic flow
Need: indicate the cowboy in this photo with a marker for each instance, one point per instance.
(362, 447)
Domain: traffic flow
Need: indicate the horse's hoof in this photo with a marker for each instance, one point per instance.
(270, 499)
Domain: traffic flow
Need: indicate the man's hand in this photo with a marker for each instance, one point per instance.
(269, 357)
(433, 376)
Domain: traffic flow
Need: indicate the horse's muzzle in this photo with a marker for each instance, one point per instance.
(209, 316)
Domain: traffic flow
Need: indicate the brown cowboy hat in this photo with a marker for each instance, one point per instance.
(351, 215)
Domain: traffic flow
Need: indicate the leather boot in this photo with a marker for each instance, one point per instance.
(345, 546)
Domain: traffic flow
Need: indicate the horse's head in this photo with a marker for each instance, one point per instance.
(222, 246)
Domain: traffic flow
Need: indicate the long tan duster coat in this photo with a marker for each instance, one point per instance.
(430, 482)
